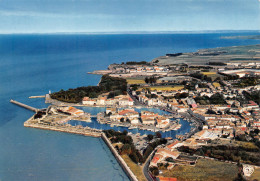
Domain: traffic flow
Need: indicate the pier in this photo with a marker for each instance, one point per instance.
(25, 106)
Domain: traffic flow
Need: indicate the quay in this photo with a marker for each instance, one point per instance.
(86, 131)
(25, 106)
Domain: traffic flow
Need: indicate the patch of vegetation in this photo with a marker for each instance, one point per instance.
(150, 96)
(209, 73)
(253, 96)
(246, 153)
(136, 63)
(216, 84)
(166, 88)
(135, 81)
(201, 76)
(230, 77)
(204, 170)
(247, 81)
(154, 171)
(149, 149)
(214, 99)
(181, 95)
(173, 54)
(150, 80)
(136, 169)
(107, 84)
(128, 147)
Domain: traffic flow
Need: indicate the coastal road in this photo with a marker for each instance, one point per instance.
(146, 167)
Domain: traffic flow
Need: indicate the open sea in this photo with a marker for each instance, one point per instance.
(34, 64)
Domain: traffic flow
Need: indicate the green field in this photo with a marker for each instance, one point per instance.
(136, 169)
(135, 81)
(166, 88)
(215, 84)
(204, 170)
(209, 73)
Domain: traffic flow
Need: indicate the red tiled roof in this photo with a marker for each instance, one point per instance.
(174, 143)
(127, 111)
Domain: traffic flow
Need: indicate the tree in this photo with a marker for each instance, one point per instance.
(256, 131)
(150, 137)
(148, 151)
(134, 157)
(158, 134)
(125, 132)
(150, 80)
(240, 177)
(154, 171)
(126, 149)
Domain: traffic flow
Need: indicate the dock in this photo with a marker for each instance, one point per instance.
(25, 106)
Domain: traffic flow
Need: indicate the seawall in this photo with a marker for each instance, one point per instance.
(120, 160)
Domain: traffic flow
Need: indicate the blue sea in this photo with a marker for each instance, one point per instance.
(34, 64)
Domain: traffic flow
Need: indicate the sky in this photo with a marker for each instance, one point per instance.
(50, 16)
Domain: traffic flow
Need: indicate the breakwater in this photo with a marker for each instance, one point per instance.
(24, 105)
(120, 160)
(33, 97)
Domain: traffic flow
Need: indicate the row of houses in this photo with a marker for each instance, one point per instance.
(136, 118)
(103, 100)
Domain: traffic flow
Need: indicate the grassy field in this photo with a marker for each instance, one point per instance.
(136, 169)
(209, 73)
(216, 84)
(245, 144)
(255, 175)
(204, 170)
(166, 88)
(135, 81)
(213, 75)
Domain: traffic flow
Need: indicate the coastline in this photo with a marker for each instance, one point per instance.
(120, 160)
(53, 82)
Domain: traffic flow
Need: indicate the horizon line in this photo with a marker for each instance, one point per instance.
(129, 32)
